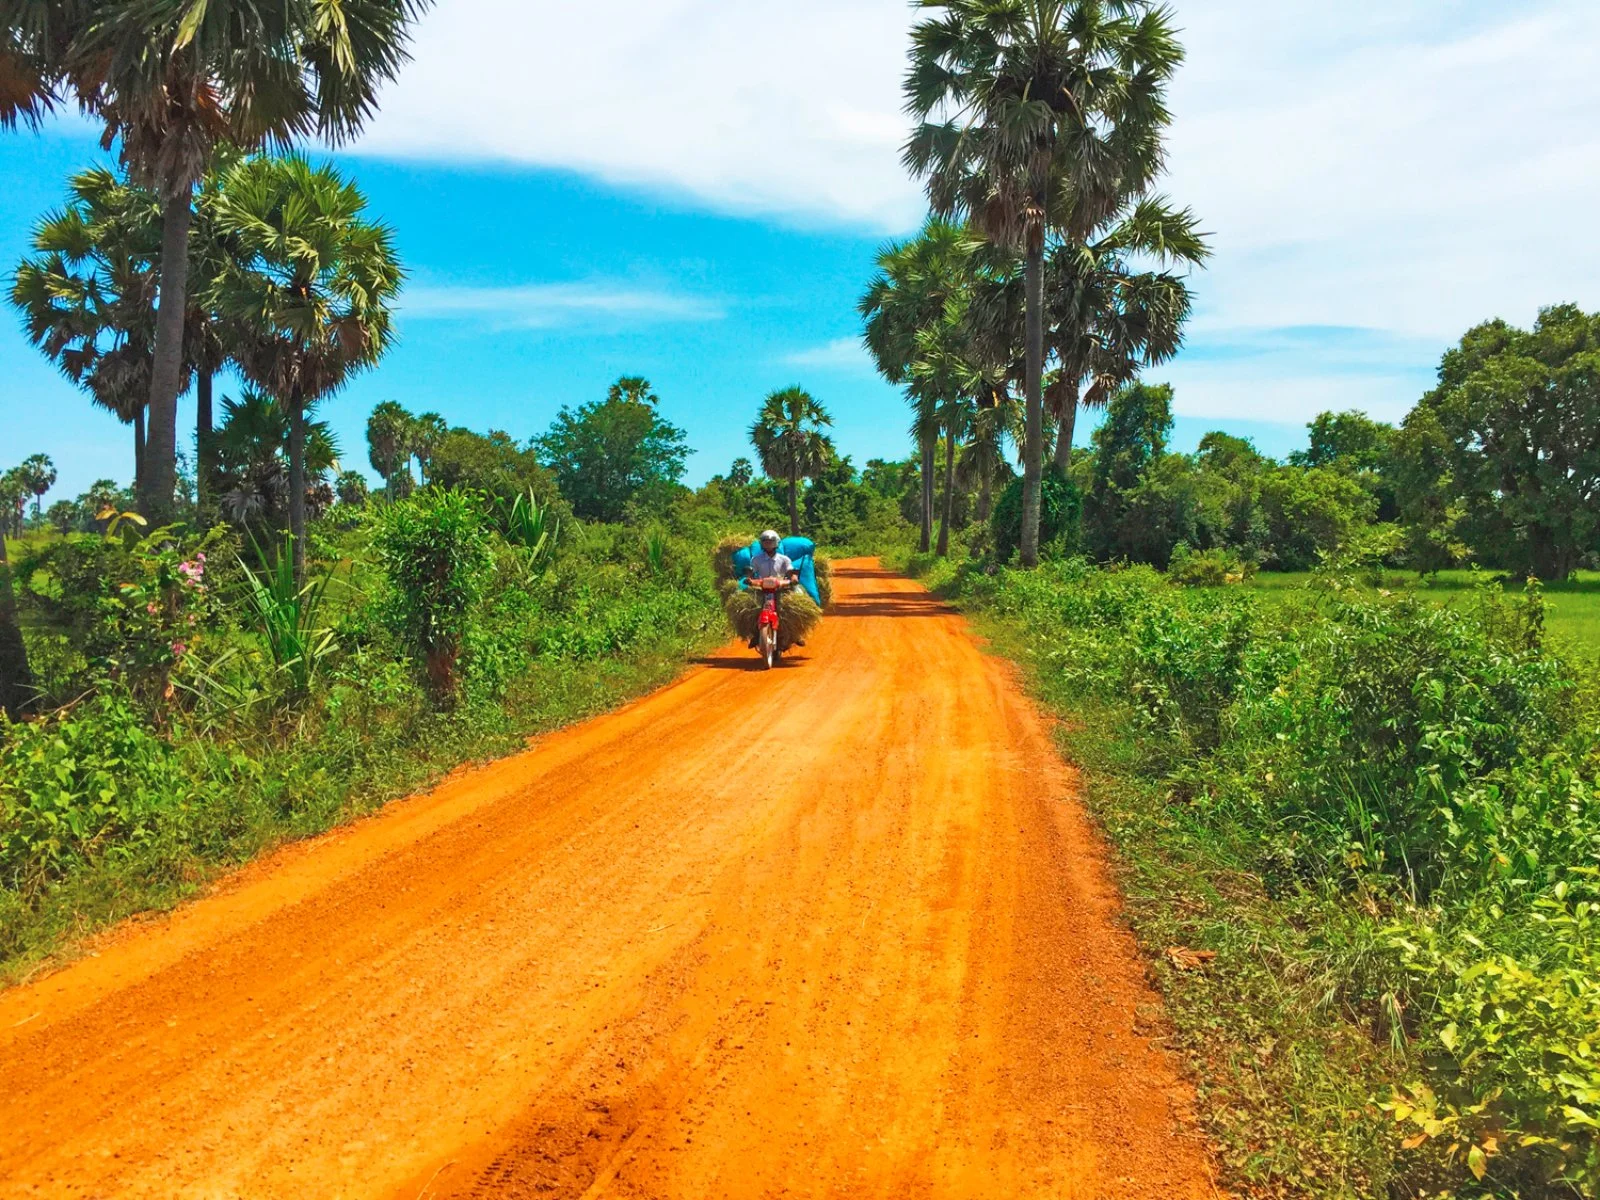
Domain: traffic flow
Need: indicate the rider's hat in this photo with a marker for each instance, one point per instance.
(769, 535)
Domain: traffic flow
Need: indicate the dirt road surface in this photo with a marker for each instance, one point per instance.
(836, 930)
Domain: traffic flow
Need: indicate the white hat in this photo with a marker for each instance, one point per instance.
(769, 535)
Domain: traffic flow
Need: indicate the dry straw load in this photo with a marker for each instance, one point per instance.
(798, 613)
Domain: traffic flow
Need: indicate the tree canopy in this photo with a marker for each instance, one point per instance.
(609, 453)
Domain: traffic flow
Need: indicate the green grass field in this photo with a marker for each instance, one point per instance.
(1574, 606)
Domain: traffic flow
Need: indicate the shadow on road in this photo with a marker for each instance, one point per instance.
(740, 662)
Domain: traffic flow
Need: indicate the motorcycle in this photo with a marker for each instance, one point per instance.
(767, 627)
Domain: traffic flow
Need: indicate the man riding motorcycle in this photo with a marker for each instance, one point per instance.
(771, 563)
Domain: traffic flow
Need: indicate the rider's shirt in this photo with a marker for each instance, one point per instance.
(770, 566)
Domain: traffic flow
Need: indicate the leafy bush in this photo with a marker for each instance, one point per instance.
(73, 789)
(436, 553)
(1425, 778)
(1208, 568)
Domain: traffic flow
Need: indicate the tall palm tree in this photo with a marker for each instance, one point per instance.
(983, 458)
(787, 435)
(308, 290)
(171, 79)
(87, 293)
(945, 372)
(915, 280)
(33, 39)
(1017, 100)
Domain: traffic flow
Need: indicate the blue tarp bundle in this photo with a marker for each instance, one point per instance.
(802, 553)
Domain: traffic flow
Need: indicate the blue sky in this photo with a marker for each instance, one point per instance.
(592, 192)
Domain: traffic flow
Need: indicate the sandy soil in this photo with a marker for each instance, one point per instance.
(840, 929)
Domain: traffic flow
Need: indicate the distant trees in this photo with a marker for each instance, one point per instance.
(38, 475)
(611, 452)
(1504, 455)
(788, 438)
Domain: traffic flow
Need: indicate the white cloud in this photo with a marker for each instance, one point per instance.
(547, 305)
(1412, 168)
(749, 105)
(841, 354)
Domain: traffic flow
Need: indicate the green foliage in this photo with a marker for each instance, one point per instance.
(532, 529)
(1060, 506)
(1208, 568)
(435, 552)
(610, 453)
(79, 787)
(1501, 454)
(1350, 441)
(289, 617)
(1413, 793)
(1128, 443)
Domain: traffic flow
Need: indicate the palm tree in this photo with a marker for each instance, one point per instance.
(1019, 100)
(915, 281)
(38, 476)
(170, 80)
(308, 289)
(427, 431)
(33, 36)
(252, 446)
(389, 442)
(87, 294)
(788, 438)
(983, 458)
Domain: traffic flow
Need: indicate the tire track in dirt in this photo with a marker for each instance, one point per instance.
(839, 929)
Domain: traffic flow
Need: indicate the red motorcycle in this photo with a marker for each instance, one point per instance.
(767, 628)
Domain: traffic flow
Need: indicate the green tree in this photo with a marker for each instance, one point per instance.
(171, 81)
(38, 475)
(1349, 440)
(389, 444)
(87, 292)
(1128, 443)
(788, 439)
(915, 281)
(1511, 438)
(427, 431)
(608, 453)
(351, 489)
(741, 472)
(1018, 103)
(253, 469)
(1311, 512)
(308, 289)
(494, 464)
(13, 502)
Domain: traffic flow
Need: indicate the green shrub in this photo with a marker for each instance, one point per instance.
(437, 556)
(1059, 509)
(94, 783)
(1208, 568)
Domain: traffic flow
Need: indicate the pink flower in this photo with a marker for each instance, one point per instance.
(179, 649)
(151, 608)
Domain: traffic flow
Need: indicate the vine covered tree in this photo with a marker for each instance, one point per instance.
(788, 438)
(1018, 102)
(308, 289)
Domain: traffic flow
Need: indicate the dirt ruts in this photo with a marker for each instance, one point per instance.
(836, 930)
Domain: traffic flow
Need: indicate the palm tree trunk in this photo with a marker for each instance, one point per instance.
(1033, 440)
(949, 492)
(204, 452)
(794, 505)
(160, 474)
(930, 452)
(985, 496)
(297, 487)
(16, 680)
(1066, 425)
(138, 450)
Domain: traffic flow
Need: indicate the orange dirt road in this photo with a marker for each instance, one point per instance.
(837, 930)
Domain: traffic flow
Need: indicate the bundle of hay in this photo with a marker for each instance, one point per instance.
(798, 613)
(824, 581)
